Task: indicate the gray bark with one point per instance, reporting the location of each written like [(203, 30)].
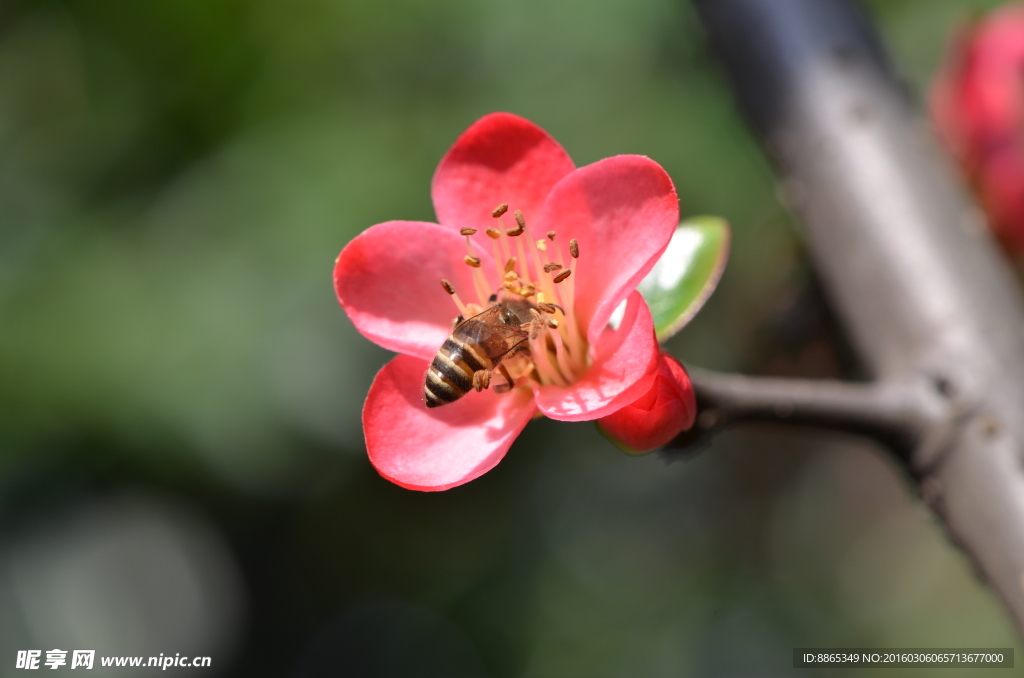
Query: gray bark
[(930, 304)]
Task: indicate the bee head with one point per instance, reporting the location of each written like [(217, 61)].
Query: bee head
[(516, 312)]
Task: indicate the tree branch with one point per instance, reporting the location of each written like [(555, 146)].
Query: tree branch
[(896, 415), (903, 254)]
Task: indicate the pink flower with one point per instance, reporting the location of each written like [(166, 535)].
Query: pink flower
[(665, 411), (977, 105), (597, 230)]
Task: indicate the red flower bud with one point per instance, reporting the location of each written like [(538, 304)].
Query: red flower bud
[(658, 416)]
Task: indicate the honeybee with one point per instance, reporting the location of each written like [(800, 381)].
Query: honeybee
[(476, 347)]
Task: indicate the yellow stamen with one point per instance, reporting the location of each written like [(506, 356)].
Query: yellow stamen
[(542, 362), (535, 253), (562, 357), (497, 259), (479, 281), (450, 289), (576, 338), (504, 242), (523, 270)]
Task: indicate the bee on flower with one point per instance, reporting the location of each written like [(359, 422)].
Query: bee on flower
[(502, 311)]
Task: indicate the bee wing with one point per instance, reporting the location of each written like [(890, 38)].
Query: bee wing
[(506, 339), (488, 316)]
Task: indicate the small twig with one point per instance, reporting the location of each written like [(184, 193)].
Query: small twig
[(897, 415)]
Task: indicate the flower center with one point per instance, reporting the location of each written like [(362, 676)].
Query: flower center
[(534, 270)]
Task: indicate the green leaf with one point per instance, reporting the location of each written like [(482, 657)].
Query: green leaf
[(687, 273)]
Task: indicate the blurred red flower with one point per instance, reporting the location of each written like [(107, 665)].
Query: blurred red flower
[(977, 106), (607, 223)]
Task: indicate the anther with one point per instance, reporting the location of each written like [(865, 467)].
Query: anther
[(552, 267), (548, 308), (493, 233), (551, 236), (574, 248), (518, 230), (511, 276), (448, 287), (467, 231), (499, 210), (552, 323), (527, 290), (562, 276), (510, 265), (542, 245), (472, 261), (519, 219)]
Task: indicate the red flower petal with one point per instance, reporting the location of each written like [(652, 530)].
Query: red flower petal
[(623, 212), (977, 105), (500, 158), (659, 415), (439, 448), (624, 367), (388, 280), (1001, 188)]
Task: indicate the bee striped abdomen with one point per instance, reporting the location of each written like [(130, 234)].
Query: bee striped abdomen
[(450, 375)]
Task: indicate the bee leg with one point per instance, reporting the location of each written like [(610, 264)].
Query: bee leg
[(458, 321), (509, 382), (536, 325), (481, 380)]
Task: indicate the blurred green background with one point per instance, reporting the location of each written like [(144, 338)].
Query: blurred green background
[(181, 461)]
